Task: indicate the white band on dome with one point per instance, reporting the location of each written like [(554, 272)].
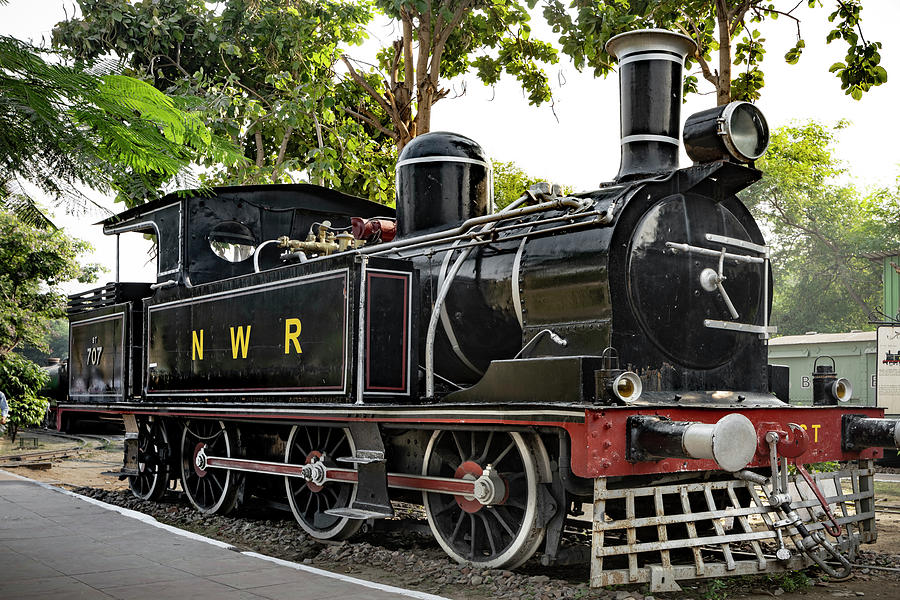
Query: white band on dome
[(428, 159)]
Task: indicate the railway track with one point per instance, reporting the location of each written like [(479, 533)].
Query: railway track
[(887, 508), (80, 444)]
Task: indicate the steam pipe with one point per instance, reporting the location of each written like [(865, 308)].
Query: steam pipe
[(557, 204)]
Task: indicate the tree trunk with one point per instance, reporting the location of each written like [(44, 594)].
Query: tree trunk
[(723, 87), (260, 153)]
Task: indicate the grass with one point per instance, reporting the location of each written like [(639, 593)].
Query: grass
[(791, 581), (887, 489), (722, 589)]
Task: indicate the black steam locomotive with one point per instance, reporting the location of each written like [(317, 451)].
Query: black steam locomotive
[(502, 368)]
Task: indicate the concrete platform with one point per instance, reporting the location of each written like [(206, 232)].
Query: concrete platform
[(55, 544)]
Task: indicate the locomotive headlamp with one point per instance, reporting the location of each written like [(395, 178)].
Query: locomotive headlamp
[(842, 389), (626, 386), (737, 130), (614, 384), (828, 388)]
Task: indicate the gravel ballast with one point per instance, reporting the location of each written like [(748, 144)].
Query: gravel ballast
[(399, 553)]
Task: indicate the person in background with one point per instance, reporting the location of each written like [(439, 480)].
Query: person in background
[(4, 413)]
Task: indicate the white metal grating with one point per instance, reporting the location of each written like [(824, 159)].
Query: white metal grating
[(660, 534)]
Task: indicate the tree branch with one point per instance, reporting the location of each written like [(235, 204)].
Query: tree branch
[(698, 53), (284, 142), (723, 88), (836, 254), (365, 85), (408, 72), (371, 121)]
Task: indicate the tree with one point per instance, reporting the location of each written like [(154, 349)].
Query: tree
[(438, 41), (265, 69), (33, 262), (61, 126), (511, 181), (727, 27), (56, 338), (819, 228), (20, 380)]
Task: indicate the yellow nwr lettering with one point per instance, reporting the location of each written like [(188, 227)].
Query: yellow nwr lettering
[(816, 432), (291, 333), (240, 341), (197, 346)]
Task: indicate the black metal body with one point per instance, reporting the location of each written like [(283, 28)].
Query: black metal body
[(616, 285), (292, 333)]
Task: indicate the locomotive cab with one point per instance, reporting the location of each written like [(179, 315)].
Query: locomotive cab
[(204, 238)]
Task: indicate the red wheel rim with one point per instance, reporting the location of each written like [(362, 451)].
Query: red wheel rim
[(469, 471)]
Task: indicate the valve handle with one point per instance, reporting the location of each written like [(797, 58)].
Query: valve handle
[(834, 530)]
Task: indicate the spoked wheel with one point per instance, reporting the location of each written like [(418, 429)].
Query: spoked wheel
[(309, 501), (153, 475), (503, 534), (209, 490)]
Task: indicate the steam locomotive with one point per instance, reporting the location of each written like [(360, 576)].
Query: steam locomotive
[(501, 368)]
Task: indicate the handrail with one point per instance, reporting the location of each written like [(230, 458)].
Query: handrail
[(506, 213)]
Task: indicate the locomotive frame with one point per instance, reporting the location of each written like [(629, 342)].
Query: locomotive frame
[(553, 376)]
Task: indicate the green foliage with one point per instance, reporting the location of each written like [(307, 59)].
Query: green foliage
[(33, 262), (444, 40), (55, 343), (266, 72), (61, 125), (861, 68), (584, 27), (510, 182), (791, 581), (20, 380), (716, 589), (819, 227)]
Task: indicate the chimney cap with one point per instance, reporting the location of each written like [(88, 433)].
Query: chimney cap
[(643, 40)]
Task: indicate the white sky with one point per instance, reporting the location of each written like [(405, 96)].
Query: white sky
[(581, 147)]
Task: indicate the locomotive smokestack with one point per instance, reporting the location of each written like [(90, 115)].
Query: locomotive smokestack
[(650, 82)]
